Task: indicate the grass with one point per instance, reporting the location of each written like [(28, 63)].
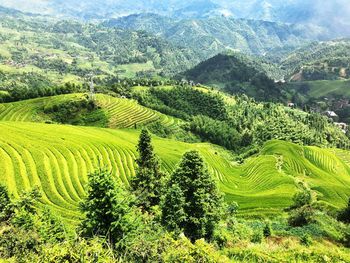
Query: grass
[(323, 88), (277, 249), (130, 70), (58, 159)]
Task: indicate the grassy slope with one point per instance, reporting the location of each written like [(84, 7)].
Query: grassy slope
[(324, 88), (58, 158), (122, 113)]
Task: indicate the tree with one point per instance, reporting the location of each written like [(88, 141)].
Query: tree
[(5, 203), (303, 197), (267, 231), (149, 180), (192, 203), (108, 209), (344, 215)]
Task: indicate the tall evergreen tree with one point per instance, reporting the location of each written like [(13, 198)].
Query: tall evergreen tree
[(108, 209), (193, 203), (148, 183)]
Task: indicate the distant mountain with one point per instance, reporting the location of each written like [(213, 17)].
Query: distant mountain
[(74, 47), (331, 14), (326, 60), (217, 34)]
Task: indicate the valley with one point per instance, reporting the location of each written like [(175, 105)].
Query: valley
[(174, 131)]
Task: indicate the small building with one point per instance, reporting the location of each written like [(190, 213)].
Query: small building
[(332, 115), (291, 105), (342, 125)]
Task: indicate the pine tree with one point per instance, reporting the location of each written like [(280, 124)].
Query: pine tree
[(199, 203), (108, 209), (148, 184)]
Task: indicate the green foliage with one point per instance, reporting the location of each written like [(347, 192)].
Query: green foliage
[(107, 209), (344, 215), (77, 250), (302, 212), (51, 229), (306, 240), (243, 122), (302, 198), (5, 202), (18, 243), (173, 208), (237, 74), (216, 34), (186, 101), (193, 203), (328, 60), (21, 86), (257, 237), (149, 181), (301, 216), (81, 111), (218, 132), (25, 209), (267, 231)]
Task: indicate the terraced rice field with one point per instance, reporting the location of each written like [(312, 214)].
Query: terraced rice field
[(58, 158), (122, 113)]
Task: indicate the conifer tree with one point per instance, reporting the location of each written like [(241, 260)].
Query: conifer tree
[(193, 203), (108, 209), (148, 183)]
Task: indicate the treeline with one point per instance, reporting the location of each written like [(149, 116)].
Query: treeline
[(15, 87), (242, 122)]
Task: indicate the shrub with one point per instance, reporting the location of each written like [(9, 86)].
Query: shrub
[(16, 242), (344, 215), (306, 240), (301, 216), (257, 237), (304, 197), (267, 231)]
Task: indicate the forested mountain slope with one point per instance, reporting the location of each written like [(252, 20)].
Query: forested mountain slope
[(331, 17), (53, 49), (327, 60), (214, 35)]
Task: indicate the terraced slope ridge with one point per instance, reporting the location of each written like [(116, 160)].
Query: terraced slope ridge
[(58, 158), (121, 113)]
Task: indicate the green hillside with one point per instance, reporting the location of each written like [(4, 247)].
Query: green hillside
[(63, 51), (238, 74), (217, 34), (323, 88), (328, 60), (58, 158), (117, 111)]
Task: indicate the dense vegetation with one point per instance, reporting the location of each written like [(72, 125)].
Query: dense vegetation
[(55, 52), (319, 61), (238, 74), (238, 122), (217, 34)]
